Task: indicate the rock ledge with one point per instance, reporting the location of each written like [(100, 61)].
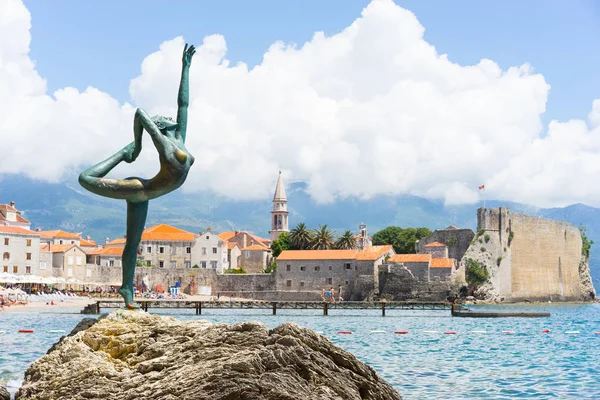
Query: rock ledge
[(130, 355)]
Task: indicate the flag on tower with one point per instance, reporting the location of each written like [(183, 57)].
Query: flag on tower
[(481, 187)]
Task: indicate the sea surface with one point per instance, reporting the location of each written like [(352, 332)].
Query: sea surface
[(529, 364)]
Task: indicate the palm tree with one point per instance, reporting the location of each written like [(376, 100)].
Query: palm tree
[(301, 236), (323, 238), (346, 241)]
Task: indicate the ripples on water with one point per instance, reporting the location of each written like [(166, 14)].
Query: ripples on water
[(527, 365)]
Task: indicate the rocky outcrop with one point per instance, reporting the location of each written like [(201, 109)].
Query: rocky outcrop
[(4, 395), (587, 286), (130, 355)]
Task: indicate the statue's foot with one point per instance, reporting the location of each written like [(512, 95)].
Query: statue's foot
[(128, 297)]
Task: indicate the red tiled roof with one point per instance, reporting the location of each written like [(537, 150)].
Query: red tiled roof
[(57, 233), (167, 233), (435, 244), (117, 241), (372, 253), (317, 255), (256, 247), (87, 243), (57, 248), (17, 229), (226, 235), (442, 263), (107, 251), (400, 258), (231, 245)]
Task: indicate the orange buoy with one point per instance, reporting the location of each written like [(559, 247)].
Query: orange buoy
[(25, 330), (596, 333), (450, 333), (546, 330), (401, 332), (344, 332)]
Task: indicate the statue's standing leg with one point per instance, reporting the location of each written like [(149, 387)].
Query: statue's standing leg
[(136, 219)]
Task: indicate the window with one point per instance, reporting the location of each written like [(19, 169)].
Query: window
[(213, 264), (329, 281), (288, 283), (347, 266), (301, 284), (6, 241), (70, 272), (173, 264), (317, 268), (60, 242), (203, 264), (148, 263), (27, 269), (187, 264), (346, 282), (149, 249), (173, 250), (5, 269), (247, 254), (207, 237), (42, 265), (288, 268), (303, 268), (111, 263), (330, 268), (28, 242), (6, 256), (161, 250), (188, 250), (204, 251), (214, 250), (70, 260), (78, 260), (72, 242), (15, 269), (88, 273), (161, 264), (28, 256)]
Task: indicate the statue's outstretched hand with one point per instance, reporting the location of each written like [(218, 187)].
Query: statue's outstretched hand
[(188, 53)]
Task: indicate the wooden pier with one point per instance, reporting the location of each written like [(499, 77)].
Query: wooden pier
[(198, 306)]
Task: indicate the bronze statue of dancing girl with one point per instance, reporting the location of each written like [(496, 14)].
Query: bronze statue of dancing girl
[(168, 137)]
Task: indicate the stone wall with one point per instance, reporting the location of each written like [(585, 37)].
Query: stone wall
[(396, 283), (457, 240), (528, 257)]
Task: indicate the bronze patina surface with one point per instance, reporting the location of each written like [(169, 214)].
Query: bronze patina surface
[(168, 137)]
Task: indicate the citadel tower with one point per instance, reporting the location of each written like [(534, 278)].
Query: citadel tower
[(279, 215)]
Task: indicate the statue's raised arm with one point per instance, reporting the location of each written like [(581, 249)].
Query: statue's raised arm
[(183, 98)]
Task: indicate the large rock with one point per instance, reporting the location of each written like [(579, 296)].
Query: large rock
[(131, 355), (4, 395)]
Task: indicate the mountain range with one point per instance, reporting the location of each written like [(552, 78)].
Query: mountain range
[(67, 206)]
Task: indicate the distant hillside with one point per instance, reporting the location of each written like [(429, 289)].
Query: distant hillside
[(69, 207)]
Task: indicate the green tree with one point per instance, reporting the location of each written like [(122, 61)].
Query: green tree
[(346, 241), (586, 243), (283, 242), (323, 238), (272, 267), (403, 240), (301, 236), (476, 273)]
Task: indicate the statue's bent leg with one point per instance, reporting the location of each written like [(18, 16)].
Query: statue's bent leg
[(93, 179), (136, 219)]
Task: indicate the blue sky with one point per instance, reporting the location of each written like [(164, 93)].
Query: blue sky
[(82, 43)]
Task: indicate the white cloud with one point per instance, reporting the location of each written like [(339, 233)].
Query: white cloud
[(371, 110)]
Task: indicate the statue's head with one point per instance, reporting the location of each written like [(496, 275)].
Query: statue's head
[(164, 123)]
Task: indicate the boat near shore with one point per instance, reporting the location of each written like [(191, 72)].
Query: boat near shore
[(461, 310)]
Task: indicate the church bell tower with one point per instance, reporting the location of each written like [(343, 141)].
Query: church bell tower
[(279, 215)]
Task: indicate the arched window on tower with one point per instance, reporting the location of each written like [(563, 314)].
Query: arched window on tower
[(6, 256)]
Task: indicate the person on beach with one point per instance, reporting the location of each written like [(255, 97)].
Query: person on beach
[(340, 298), (1, 303), (332, 295), (168, 137)]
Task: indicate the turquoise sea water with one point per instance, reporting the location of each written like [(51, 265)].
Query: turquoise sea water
[(528, 364)]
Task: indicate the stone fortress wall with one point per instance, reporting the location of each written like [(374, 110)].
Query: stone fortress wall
[(529, 258)]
